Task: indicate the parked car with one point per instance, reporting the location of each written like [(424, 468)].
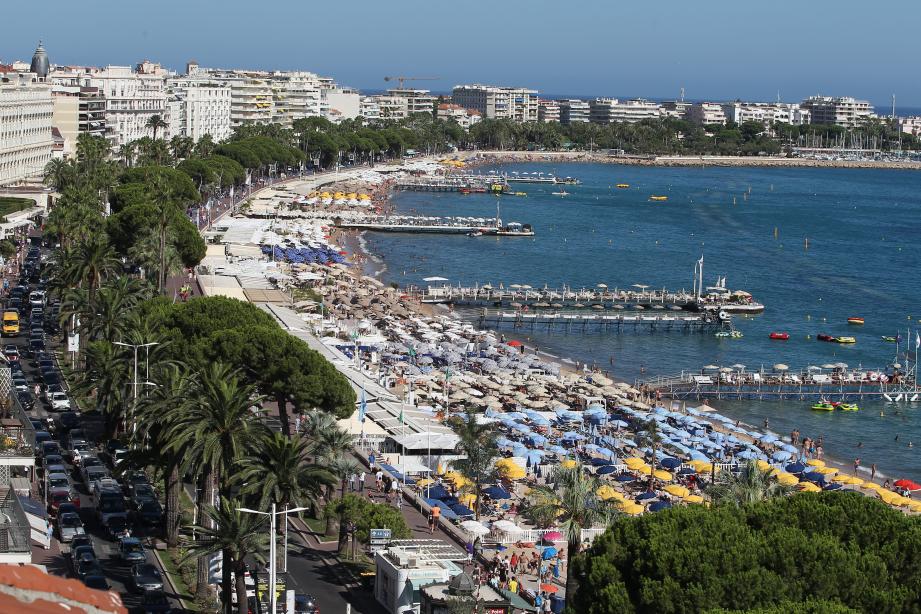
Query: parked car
[(69, 420), (57, 481), (149, 512), (26, 399), (155, 602), (59, 402), (88, 565), (130, 550), (58, 497), (146, 577), (97, 581), (69, 525), (117, 528)]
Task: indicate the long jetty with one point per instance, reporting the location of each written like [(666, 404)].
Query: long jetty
[(435, 225), (584, 323), (808, 385), (476, 183)]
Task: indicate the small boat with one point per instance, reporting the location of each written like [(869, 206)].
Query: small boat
[(888, 339), (658, 198), (560, 193), (729, 334), (520, 193), (475, 233), (848, 407), (855, 320), (823, 406), (780, 336), (464, 190), (845, 340), (623, 186), (823, 337)]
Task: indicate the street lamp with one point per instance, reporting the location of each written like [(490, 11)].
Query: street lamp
[(135, 383), (271, 515)]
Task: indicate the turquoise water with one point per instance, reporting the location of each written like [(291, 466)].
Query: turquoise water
[(863, 229)]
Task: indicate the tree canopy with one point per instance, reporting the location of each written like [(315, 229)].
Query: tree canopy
[(842, 549)]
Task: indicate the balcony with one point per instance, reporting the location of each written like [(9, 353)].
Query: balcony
[(15, 531), (17, 438)]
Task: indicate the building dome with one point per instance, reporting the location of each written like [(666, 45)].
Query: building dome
[(461, 585), (40, 62)]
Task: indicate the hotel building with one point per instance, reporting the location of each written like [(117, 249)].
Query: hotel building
[(514, 103)]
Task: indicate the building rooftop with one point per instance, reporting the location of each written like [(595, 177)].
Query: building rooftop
[(27, 590)]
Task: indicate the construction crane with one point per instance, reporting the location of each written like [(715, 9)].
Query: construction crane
[(400, 80)]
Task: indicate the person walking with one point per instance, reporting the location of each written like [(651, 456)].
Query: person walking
[(361, 483), (433, 519)]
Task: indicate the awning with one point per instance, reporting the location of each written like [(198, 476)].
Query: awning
[(517, 602), (424, 441)]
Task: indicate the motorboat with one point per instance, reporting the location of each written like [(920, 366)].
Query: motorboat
[(855, 320), (823, 337), (848, 407), (520, 193), (623, 186), (560, 193), (658, 198), (889, 339), (780, 336), (845, 340), (475, 233), (823, 406), (729, 334)]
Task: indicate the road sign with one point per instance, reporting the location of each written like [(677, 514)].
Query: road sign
[(378, 539)]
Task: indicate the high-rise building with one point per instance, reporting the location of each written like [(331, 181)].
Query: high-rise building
[(297, 95), (611, 110), (574, 111), (26, 141), (514, 103), (846, 111), (548, 111), (65, 117), (198, 106)]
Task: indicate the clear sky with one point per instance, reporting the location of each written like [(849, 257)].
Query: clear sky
[(717, 49)]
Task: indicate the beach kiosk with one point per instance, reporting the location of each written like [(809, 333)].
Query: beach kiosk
[(405, 566)]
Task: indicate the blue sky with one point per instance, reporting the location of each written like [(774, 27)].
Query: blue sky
[(716, 50)]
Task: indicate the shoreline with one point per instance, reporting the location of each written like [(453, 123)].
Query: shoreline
[(481, 158)]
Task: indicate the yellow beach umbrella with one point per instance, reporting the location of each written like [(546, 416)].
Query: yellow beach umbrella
[(424, 482), (787, 479), (702, 466), (815, 463), (842, 479), (809, 487), (694, 499), (870, 485), (606, 492), (467, 499), (663, 475), (887, 495), (632, 509), (826, 470), (763, 465), (678, 490), (511, 472), (644, 469), (915, 506), (569, 464), (634, 461), (853, 479)]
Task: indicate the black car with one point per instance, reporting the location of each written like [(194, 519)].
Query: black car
[(155, 601), (88, 566), (69, 420), (117, 528), (97, 581), (149, 512), (146, 577), (26, 399)]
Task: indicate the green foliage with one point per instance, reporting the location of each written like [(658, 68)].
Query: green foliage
[(810, 606), (11, 204), (368, 515), (7, 249), (833, 547)]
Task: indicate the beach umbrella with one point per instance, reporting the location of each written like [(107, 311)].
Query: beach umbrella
[(665, 476), (833, 487), (497, 492), (677, 490), (632, 509), (815, 462), (515, 343), (812, 476), (670, 463), (548, 553), (569, 464), (467, 499), (550, 589), (507, 526), (462, 510), (809, 487), (795, 468), (787, 479), (870, 485), (693, 499), (658, 506), (647, 496), (552, 536), (606, 469), (907, 484), (474, 527)]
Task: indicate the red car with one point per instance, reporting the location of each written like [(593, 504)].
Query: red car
[(57, 497)]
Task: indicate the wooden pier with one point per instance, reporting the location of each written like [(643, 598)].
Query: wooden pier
[(807, 385), (585, 323), (438, 225)]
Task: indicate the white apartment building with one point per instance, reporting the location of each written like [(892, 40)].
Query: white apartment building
[(493, 102), (574, 111), (611, 110), (548, 111), (198, 106), (132, 96), (391, 107), (417, 101), (706, 113), (341, 103), (910, 125), (251, 99), (26, 110), (296, 95), (369, 108), (454, 112), (676, 109), (846, 111), (65, 116), (766, 113)]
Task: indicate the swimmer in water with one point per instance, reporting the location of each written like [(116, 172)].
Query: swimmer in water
[(896, 437), (859, 444)]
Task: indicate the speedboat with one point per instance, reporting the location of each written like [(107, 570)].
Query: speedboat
[(658, 198), (780, 336), (824, 337), (623, 186), (560, 193), (823, 406), (848, 407), (730, 334), (855, 320), (845, 340), (889, 339)]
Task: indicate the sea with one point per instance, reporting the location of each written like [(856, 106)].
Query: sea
[(815, 246)]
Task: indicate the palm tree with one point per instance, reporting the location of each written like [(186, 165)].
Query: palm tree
[(155, 123), (165, 214), (145, 254), (91, 263), (126, 154), (573, 504), (750, 485), (216, 431), (235, 534), (114, 303), (652, 438), (478, 443), (106, 377), (280, 470)]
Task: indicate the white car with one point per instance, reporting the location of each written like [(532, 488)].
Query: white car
[(69, 526), (59, 401)]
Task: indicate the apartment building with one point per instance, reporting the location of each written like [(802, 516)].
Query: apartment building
[(676, 109), (909, 125), (296, 95), (369, 108), (611, 110), (131, 96), (574, 111), (198, 106), (454, 112), (548, 111), (26, 111), (766, 113), (417, 101), (341, 102), (706, 114), (845, 111), (494, 102)]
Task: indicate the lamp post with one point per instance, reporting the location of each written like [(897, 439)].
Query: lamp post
[(135, 383), (272, 563)]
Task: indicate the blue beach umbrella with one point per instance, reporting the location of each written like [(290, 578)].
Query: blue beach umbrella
[(606, 469), (646, 496), (670, 463), (497, 492), (626, 477), (658, 506), (795, 468), (548, 553)]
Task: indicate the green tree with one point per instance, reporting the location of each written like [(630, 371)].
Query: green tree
[(155, 123), (478, 444), (750, 485)]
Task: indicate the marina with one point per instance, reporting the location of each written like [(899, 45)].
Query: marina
[(583, 323)]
